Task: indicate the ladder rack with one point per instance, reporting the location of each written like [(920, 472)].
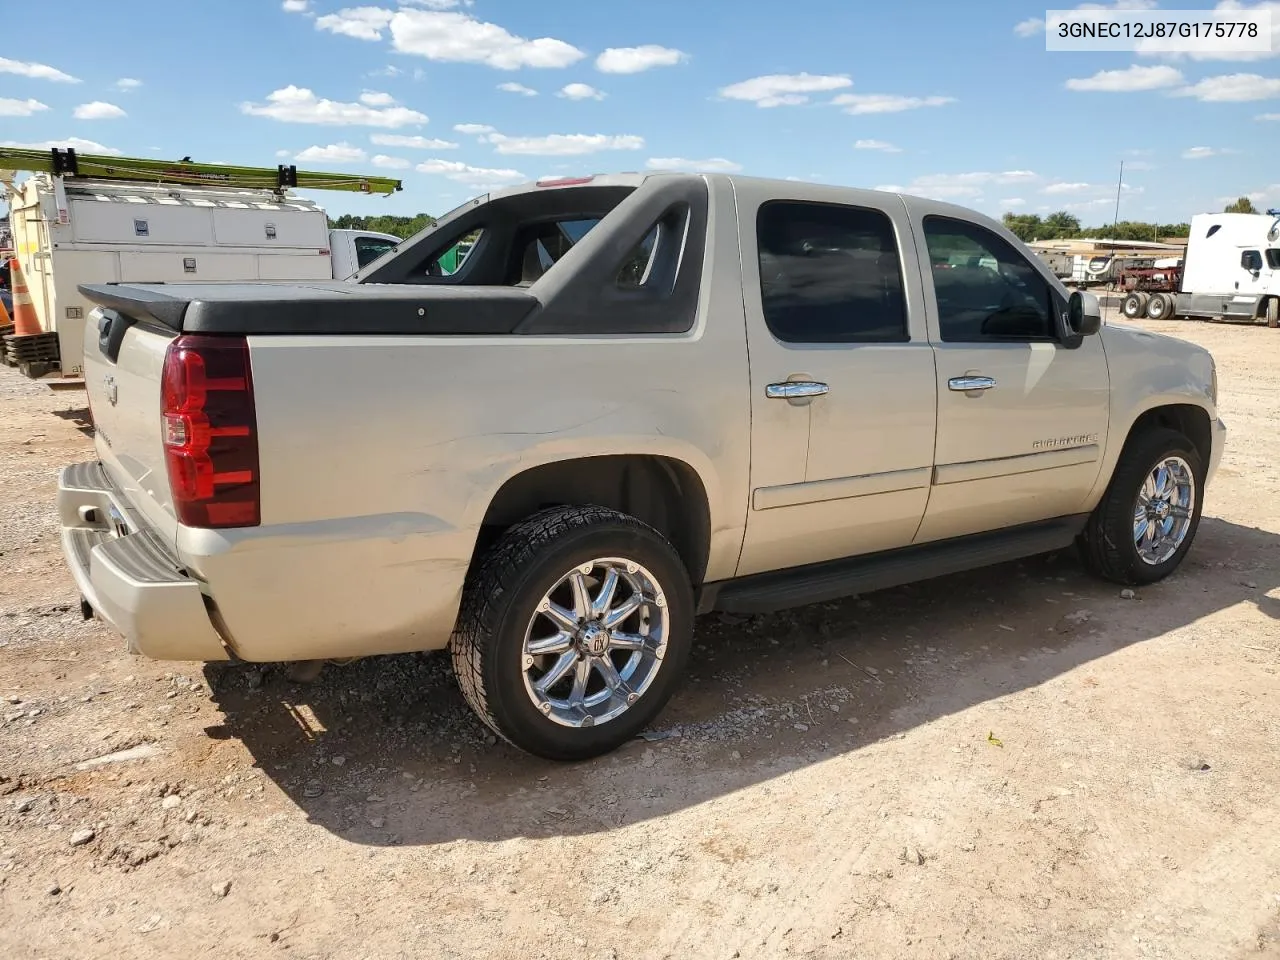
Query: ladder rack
[(68, 163)]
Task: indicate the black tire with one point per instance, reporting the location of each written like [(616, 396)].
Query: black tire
[(501, 599), (1107, 543), (1134, 306), (1158, 307)]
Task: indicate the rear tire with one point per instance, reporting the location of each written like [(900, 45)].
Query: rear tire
[(1134, 306), (1158, 307), (1115, 545), (540, 673), (1271, 313)]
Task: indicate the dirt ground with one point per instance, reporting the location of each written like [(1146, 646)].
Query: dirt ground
[(1011, 763)]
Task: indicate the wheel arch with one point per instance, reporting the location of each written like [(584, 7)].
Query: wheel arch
[(1190, 419), (663, 491)]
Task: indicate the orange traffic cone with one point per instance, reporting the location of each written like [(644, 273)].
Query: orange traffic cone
[(25, 321)]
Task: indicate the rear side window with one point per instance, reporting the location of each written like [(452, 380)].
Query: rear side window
[(830, 273)]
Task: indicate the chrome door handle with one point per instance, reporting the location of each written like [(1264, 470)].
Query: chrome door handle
[(966, 384), (795, 390)]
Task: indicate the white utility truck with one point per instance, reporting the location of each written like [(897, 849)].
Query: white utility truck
[(88, 220), (1232, 268)]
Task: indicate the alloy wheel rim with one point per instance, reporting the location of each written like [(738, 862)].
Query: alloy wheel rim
[(596, 642), (1163, 510)]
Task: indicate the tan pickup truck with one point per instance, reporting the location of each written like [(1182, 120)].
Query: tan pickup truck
[(634, 399)]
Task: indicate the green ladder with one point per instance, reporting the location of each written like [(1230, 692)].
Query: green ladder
[(69, 163)]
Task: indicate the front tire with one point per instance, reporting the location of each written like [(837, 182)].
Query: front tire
[(574, 631), (1148, 518)]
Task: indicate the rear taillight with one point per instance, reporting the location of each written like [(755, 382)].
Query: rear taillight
[(211, 432)]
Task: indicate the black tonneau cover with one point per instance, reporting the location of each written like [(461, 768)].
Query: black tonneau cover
[(317, 307)]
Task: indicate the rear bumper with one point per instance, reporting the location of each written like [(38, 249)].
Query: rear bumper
[(127, 576)]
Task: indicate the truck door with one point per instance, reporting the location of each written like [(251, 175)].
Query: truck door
[(842, 378), (1022, 420)]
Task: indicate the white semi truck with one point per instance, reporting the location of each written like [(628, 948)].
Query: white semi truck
[(87, 220), (1232, 268)]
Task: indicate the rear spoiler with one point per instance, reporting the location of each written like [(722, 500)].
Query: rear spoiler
[(138, 302)]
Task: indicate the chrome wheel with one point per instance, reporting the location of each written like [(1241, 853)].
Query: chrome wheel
[(1162, 515), (596, 642)]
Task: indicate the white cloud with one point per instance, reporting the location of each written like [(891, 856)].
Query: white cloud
[(1013, 202), (784, 89), (460, 38), (412, 142), (857, 103), (128, 83), (476, 177), (638, 59), (1227, 7), (78, 143), (1268, 116), (710, 165), (36, 71), (1033, 25), (373, 98), (1233, 88), (295, 6), (1062, 187), (473, 129), (98, 110), (20, 108), (519, 88), (294, 104), (881, 145), (563, 144), (1130, 80), (948, 186), (1203, 153), (390, 163), (580, 91), (363, 23), (334, 153)]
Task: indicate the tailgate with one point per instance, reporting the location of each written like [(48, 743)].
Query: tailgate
[(123, 362)]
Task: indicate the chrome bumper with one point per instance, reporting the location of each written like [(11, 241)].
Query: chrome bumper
[(128, 577)]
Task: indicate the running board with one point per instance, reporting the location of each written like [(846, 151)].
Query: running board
[(833, 579)]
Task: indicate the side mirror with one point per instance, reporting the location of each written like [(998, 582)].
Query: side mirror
[(1084, 315)]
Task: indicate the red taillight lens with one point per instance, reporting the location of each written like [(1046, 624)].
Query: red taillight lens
[(210, 432)]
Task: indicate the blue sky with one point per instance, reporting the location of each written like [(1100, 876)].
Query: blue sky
[(951, 100)]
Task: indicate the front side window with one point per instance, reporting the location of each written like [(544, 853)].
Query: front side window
[(985, 290), (830, 273), (1273, 258)]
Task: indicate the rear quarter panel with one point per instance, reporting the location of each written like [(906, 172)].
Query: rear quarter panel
[(380, 456)]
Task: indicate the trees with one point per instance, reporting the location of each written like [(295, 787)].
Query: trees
[(1242, 205), (402, 227), (1056, 226)]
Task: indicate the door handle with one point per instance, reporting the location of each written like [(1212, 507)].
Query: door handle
[(966, 384), (795, 390)]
